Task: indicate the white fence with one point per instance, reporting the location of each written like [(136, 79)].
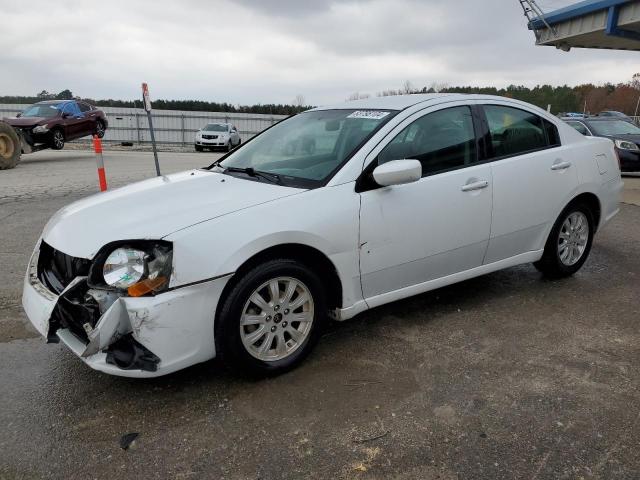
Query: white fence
[(173, 126), (170, 126)]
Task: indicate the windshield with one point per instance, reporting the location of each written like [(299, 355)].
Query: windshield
[(306, 149), (615, 127), (47, 110), (215, 127)]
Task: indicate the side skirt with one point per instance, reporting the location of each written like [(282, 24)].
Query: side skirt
[(341, 314)]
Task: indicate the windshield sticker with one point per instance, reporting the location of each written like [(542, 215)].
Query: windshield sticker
[(370, 114)]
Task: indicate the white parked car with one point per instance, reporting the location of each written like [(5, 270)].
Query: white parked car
[(327, 214), (217, 136)]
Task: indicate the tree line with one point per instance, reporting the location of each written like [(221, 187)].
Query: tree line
[(588, 98), (187, 105)]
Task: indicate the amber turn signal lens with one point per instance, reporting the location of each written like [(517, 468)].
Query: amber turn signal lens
[(146, 286)]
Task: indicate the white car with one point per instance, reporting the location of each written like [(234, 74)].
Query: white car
[(247, 258), (217, 136)]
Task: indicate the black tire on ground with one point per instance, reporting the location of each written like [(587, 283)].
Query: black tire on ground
[(229, 345), (198, 148), (229, 146), (56, 139), (100, 130), (551, 264), (10, 147)]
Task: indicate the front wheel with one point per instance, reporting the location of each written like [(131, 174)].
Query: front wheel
[(198, 148), (569, 242), (57, 139), (272, 318)]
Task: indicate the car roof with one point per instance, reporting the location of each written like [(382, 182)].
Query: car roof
[(400, 102), (593, 119), (54, 102)]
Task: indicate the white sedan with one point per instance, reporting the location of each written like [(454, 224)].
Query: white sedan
[(217, 136), (327, 214)]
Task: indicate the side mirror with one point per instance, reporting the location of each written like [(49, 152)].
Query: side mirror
[(397, 172), (18, 115)]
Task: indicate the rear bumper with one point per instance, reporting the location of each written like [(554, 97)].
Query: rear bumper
[(610, 198), (169, 331)]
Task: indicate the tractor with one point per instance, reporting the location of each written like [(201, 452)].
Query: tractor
[(11, 146)]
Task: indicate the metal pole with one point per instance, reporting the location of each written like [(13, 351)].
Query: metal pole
[(182, 125), (153, 143), (138, 127), (637, 106)]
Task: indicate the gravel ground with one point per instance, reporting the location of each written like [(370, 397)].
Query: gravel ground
[(503, 376)]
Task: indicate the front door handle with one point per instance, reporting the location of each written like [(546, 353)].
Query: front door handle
[(475, 185), (560, 165)]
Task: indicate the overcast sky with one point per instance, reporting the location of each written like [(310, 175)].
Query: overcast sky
[(262, 51)]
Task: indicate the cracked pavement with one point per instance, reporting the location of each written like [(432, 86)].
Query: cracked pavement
[(503, 376)]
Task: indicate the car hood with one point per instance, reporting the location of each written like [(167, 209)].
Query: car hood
[(153, 209), (25, 121), (631, 138)]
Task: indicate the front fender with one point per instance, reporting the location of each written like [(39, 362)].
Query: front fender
[(325, 219)]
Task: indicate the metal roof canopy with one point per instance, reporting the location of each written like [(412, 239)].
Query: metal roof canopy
[(612, 24)]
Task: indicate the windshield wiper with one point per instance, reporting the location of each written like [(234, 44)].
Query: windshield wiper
[(271, 177)]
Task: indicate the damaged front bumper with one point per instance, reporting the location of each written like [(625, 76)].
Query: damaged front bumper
[(126, 336)]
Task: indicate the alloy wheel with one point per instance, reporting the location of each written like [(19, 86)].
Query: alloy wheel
[(58, 139), (277, 319), (573, 238)]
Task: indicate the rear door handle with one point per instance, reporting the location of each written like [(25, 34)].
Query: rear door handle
[(475, 185), (560, 165)]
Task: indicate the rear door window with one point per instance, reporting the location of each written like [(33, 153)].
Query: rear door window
[(514, 131), (84, 107)]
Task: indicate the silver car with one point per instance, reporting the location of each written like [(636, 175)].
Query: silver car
[(217, 135)]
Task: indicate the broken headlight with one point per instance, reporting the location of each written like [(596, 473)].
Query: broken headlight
[(136, 267), (124, 267)]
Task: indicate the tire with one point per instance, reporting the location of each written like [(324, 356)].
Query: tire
[(229, 146), (198, 148), (10, 147), (100, 129), (57, 139), (239, 342), (568, 245)]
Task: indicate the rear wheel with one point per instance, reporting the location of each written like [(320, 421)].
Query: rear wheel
[(57, 139), (272, 318), (569, 242), (10, 148), (100, 129)]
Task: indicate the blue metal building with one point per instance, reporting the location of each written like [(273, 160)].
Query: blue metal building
[(612, 24)]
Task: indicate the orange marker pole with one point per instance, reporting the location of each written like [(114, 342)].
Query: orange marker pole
[(97, 147)]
